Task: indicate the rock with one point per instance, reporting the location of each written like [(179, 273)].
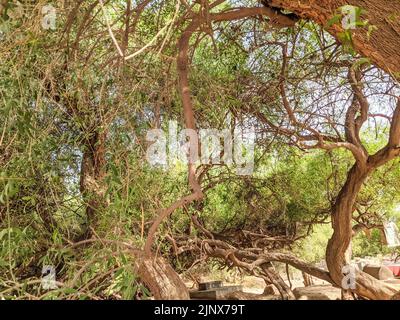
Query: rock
[(378, 272), (249, 296), (214, 294), (317, 292), (253, 284), (210, 285), (394, 283)]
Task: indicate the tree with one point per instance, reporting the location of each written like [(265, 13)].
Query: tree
[(78, 193), (380, 47)]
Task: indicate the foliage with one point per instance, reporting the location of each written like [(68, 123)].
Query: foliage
[(67, 99)]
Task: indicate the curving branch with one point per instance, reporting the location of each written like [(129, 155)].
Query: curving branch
[(184, 88)]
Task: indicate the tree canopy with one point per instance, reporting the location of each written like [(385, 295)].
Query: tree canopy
[(85, 86)]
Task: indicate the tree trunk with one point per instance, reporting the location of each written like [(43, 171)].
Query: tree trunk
[(163, 282), (396, 296), (275, 279), (307, 280), (339, 245), (342, 212), (382, 45), (93, 170)]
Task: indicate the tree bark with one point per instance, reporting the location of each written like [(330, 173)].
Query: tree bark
[(275, 279), (93, 170), (396, 296), (163, 282), (381, 47), (342, 212), (307, 280), (339, 245)]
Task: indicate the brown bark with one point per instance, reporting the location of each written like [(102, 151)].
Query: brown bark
[(274, 278), (250, 261), (396, 296), (93, 170), (184, 89), (163, 282), (381, 47), (190, 122), (153, 274), (3, 5), (342, 211), (307, 280), (339, 246)]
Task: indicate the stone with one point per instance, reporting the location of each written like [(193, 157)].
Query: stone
[(317, 292), (210, 285), (215, 293), (378, 272)]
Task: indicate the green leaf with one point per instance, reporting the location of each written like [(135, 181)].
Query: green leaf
[(334, 20), (361, 62)]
